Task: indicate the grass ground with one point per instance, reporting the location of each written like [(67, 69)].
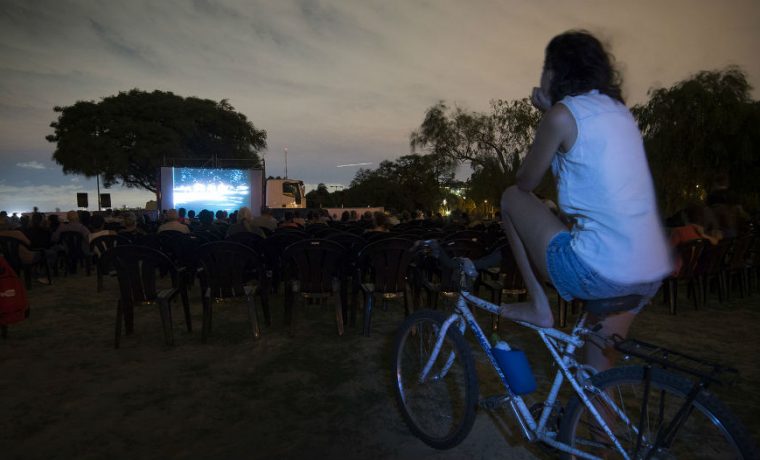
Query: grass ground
[(67, 393)]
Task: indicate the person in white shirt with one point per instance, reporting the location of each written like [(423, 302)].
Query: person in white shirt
[(616, 245), (171, 222)]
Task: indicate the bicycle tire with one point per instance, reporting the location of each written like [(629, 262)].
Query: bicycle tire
[(711, 431), (440, 411)]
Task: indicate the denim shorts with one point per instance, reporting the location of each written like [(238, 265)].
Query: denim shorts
[(574, 279)]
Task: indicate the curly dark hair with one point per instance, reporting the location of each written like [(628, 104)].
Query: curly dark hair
[(580, 64)]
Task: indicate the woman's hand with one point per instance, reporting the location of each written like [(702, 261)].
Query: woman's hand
[(540, 100)]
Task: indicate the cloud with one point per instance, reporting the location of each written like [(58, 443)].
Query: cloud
[(31, 165)]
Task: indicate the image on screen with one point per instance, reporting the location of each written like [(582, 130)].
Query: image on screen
[(212, 189)]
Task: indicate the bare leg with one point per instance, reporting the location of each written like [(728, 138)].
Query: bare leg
[(596, 354), (535, 226)]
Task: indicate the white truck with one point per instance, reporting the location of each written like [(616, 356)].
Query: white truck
[(285, 193)]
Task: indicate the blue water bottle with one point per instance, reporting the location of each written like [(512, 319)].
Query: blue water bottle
[(516, 369)]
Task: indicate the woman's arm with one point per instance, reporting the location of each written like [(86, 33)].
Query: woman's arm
[(557, 129)]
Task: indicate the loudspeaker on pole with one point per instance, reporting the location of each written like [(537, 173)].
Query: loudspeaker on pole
[(105, 200), (82, 200)]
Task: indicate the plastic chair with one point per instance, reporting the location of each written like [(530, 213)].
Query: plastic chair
[(225, 270), (9, 247), (249, 239), (98, 247), (689, 254), (182, 250), (737, 265), (137, 269), (272, 252), (313, 269), (709, 266), (352, 244), (385, 263), (74, 252), (506, 279), (443, 281)]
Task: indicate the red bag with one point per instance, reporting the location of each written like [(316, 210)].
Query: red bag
[(14, 306)]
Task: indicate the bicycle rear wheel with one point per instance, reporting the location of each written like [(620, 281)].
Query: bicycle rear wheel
[(441, 409), (711, 431)]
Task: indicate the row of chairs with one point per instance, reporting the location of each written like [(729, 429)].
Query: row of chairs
[(339, 267), (731, 264)]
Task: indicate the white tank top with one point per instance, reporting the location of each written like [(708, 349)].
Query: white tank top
[(605, 187)]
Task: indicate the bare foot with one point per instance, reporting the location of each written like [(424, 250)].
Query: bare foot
[(527, 314)]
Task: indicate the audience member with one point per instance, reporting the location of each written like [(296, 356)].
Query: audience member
[(97, 227), (265, 220), (172, 223), (244, 223), (73, 224), (131, 230), (289, 221), (25, 253)]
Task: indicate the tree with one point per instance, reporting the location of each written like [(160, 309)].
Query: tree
[(127, 137), (700, 127), (411, 182), (498, 138), (320, 197)]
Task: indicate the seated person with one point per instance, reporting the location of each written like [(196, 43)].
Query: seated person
[(97, 227), (289, 221), (38, 232), (72, 224), (244, 223), (265, 220), (131, 230), (171, 222), (25, 254)]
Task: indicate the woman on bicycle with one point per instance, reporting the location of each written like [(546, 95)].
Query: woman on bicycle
[(616, 245)]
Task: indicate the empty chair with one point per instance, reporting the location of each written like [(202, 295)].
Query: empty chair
[(249, 239), (443, 282), (505, 278), (737, 265), (98, 247), (313, 270), (181, 248), (137, 269), (384, 263), (689, 254), (709, 266), (272, 252), (352, 244), (226, 269)]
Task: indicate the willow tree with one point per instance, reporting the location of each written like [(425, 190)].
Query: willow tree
[(492, 143), (126, 138), (697, 129)]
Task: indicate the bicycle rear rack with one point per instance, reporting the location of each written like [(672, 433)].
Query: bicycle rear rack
[(668, 359)]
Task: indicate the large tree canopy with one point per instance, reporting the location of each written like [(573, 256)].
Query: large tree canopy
[(498, 138), (127, 137), (699, 128)]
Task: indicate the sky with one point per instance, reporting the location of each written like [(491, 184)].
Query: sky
[(335, 82)]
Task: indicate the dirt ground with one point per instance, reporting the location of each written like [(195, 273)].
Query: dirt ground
[(67, 393)]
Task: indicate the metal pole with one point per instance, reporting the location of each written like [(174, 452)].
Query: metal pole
[(97, 178), (286, 162)]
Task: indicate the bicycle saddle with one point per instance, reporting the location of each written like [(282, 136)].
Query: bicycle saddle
[(612, 304)]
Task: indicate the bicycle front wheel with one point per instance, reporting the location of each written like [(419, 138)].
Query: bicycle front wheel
[(710, 430), (440, 408)]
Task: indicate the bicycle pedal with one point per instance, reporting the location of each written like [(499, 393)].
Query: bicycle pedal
[(494, 402)]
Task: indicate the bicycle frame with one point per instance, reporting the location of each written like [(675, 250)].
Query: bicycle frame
[(561, 346)]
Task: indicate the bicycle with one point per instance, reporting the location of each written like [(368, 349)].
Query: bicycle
[(645, 411)]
